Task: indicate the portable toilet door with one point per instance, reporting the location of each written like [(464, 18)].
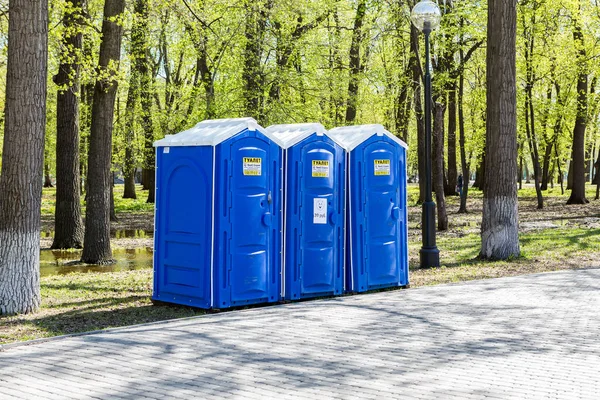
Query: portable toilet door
[(377, 207), (217, 223), (314, 203)]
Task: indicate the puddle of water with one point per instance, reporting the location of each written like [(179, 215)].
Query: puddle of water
[(60, 262), (118, 234)]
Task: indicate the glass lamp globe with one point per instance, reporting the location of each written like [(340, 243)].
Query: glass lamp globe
[(426, 15)]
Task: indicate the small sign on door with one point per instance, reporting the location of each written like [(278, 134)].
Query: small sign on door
[(320, 168), (382, 167), (320, 211), (253, 166)]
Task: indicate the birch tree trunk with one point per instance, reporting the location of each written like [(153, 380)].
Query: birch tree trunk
[(23, 156)]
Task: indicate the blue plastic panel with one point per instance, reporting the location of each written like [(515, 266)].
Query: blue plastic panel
[(183, 226), (248, 198), (314, 232), (378, 215)]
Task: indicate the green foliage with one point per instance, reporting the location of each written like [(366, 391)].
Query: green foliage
[(196, 55)]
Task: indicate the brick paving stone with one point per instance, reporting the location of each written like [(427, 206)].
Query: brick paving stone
[(527, 337)]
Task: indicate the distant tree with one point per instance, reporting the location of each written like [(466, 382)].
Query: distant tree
[(438, 165), (23, 156), (355, 65), (137, 53), (578, 150), (96, 245), (417, 77), (253, 77), (68, 224), (146, 77), (530, 79), (500, 222)]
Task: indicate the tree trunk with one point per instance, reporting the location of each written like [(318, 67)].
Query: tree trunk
[(500, 222), (138, 88), (113, 213), (531, 139), (23, 156), (598, 177), (546, 166), (570, 173), (146, 80), (96, 249), (530, 114), (47, 177), (257, 13), (578, 191), (560, 174), (480, 174), (355, 63), (462, 142), (438, 165), (452, 170), (68, 225), (129, 161), (85, 121), (520, 173), (548, 143)]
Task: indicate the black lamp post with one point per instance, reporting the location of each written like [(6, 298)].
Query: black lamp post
[(426, 17)]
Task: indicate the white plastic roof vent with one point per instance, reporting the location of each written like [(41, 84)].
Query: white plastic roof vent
[(351, 136), (212, 132), (291, 134)]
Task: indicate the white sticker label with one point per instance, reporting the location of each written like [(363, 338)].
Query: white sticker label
[(382, 167), (253, 166), (320, 169), (320, 211), (166, 150)]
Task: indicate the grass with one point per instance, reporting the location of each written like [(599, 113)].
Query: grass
[(81, 302), (541, 251), (556, 238)]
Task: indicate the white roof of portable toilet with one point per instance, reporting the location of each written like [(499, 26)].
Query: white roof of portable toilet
[(212, 132), (291, 134), (351, 136)]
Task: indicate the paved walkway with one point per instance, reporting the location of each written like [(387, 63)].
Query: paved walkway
[(535, 336)]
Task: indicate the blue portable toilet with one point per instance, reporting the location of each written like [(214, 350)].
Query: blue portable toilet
[(377, 235), (314, 202), (218, 215)]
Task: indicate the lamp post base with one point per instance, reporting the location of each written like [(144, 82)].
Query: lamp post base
[(430, 257)]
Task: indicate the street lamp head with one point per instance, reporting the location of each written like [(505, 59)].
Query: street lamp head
[(426, 16)]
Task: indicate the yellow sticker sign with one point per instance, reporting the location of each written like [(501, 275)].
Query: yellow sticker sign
[(320, 168), (253, 166), (382, 167)]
